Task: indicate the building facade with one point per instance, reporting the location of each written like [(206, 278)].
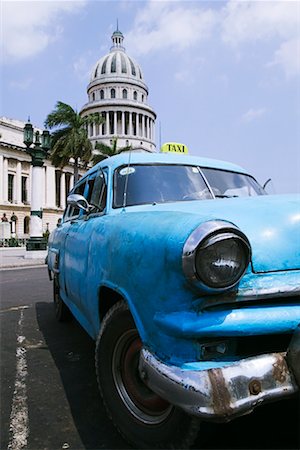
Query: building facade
[(15, 182), (118, 92)]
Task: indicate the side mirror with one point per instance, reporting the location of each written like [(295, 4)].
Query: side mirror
[(78, 201), (266, 183), (269, 187)]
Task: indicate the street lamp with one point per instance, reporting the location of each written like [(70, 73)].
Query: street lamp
[(38, 153)]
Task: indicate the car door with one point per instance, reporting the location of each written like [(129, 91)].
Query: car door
[(78, 239)]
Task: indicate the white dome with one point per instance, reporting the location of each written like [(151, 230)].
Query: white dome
[(117, 63)]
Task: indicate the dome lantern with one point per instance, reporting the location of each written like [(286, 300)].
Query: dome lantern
[(117, 38)]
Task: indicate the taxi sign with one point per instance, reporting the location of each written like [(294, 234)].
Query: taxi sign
[(174, 147)]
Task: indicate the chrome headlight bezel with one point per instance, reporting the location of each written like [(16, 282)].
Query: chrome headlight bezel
[(204, 236)]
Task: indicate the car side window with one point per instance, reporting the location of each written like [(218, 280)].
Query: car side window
[(71, 212), (97, 192)]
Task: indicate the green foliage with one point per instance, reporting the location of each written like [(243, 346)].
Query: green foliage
[(13, 242), (105, 151), (70, 139), (46, 235)]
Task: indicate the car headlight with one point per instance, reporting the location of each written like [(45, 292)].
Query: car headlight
[(216, 255)]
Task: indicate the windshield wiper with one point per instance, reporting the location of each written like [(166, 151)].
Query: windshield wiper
[(225, 196)]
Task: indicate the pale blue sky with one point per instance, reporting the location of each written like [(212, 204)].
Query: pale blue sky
[(223, 76)]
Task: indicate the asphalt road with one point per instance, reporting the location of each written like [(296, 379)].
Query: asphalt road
[(49, 395)]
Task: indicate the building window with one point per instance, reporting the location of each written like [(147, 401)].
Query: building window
[(132, 67), (123, 64), (93, 96), (26, 225), (113, 93), (142, 98), (113, 67), (102, 94), (135, 95), (24, 190), (124, 93), (103, 69), (10, 187), (68, 183), (57, 187)]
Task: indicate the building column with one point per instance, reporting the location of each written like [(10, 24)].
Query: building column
[(153, 131), (143, 125), (123, 123), (130, 124), (1, 181), (115, 123), (71, 182), (107, 123), (36, 224), (63, 190), (50, 186), (5, 180), (19, 182)]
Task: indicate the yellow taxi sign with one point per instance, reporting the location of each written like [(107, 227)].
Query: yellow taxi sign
[(174, 147)]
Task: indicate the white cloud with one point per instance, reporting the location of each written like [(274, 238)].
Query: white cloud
[(179, 26), (253, 114), (169, 25), (248, 21), (22, 85), (288, 56), (28, 27), (83, 67), (265, 21)]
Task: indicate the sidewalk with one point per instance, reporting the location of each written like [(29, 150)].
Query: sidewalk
[(18, 257)]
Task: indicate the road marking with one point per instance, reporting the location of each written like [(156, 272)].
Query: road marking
[(14, 308), (19, 420)]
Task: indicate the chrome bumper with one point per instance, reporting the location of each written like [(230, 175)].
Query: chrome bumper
[(220, 393)]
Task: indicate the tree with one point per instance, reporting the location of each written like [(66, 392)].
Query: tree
[(70, 139), (105, 151)]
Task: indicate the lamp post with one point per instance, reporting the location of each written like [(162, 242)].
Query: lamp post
[(38, 153)]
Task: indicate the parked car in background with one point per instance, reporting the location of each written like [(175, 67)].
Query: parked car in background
[(187, 275)]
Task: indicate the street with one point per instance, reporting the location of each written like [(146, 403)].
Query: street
[(49, 394)]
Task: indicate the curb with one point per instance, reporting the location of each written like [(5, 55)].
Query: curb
[(24, 265)]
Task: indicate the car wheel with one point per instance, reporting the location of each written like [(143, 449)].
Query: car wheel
[(62, 312), (143, 418)]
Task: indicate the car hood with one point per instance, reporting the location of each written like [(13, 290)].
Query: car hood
[(271, 223)]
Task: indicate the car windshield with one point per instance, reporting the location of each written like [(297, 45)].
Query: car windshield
[(232, 184), (161, 183)]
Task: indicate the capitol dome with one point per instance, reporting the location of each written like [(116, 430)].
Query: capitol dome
[(117, 63), (118, 92)]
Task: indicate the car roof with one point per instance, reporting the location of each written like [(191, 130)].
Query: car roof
[(142, 157)]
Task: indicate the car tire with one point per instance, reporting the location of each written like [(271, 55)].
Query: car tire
[(143, 418), (62, 312)]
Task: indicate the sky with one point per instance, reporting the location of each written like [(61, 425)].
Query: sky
[(223, 76)]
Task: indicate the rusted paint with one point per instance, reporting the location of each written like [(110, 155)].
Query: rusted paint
[(254, 387), (293, 355), (220, 395), (280, 368)]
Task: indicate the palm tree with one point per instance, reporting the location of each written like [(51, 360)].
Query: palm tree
[(70, 140), (105, 151)]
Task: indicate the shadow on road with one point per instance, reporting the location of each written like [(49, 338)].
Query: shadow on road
[(274, 426), (72, 351)]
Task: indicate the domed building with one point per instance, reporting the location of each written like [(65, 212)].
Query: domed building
[(118, 92)]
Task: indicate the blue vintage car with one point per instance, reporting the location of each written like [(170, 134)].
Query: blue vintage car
[(187, 275)]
